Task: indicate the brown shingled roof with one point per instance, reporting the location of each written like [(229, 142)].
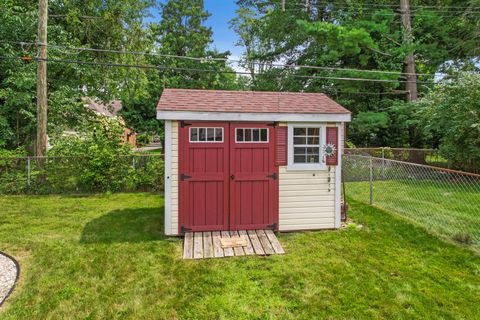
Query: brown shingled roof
[(247, 101)]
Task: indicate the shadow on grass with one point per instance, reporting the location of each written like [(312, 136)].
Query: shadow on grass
[(127, 225)]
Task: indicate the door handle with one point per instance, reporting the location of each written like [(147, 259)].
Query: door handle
[(232, 177)]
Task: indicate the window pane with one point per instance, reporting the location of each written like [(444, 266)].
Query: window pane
[(193, 134), (313, 150), (313, 140), (256, 134), (299, 131), (202, 134), (313, 158), (299, 159), (210, 134), (248, 134), (218, 134), (239, 134), (299, 140), (263, 135), (299, 150), (313, 131)]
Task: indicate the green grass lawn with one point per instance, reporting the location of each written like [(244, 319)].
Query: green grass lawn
[(446, 209), (105, 257)]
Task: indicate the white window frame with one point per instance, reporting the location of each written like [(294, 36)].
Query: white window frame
[(190, 134), (268, 135), (291, 165)]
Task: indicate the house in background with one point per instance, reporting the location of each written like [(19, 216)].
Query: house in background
[(240, 160), (111, 110)]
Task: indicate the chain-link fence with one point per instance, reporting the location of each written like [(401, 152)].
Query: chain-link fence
[(430, 157), (60, 175), (445, 202)]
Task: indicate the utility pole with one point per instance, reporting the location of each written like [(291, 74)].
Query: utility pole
[(42, 104), (411, 83), (283, 5)]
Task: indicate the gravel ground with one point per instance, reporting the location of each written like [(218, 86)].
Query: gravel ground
[(8, 275)]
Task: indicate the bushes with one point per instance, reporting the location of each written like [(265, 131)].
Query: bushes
[(88, 162)]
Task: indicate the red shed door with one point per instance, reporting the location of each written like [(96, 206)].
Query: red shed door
[(253, 177), (203, 176)]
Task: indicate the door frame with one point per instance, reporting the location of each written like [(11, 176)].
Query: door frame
[(228, 140)]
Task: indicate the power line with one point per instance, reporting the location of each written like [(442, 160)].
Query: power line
[(382, 5), (155, 54), (161, 67)]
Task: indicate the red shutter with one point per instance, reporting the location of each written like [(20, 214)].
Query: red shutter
[(281, 146), (332, 138)]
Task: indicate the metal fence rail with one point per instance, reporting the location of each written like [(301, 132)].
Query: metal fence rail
[(430, 157), (60, 175), (445, 202)]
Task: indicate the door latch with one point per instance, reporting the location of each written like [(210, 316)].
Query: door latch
[(232, 177), (184, 177)]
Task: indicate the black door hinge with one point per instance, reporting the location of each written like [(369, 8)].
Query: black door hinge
[(273, 176), (183, 229), (272, 226), (273, 124), (183, 124), (184, 177)]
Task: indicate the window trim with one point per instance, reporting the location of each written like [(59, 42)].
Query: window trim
[(194, 127), (291, 165), (243, 128)]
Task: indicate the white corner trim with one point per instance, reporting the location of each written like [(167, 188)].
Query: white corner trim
[(291, 166), (253, 116), (168, 178), (338, 177)]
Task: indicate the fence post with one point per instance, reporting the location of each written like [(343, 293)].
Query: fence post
[(383, 163), (371, 181), (28, 172)]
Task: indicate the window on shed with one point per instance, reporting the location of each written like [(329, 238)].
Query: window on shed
[(259, 135), (206, 134), (306, 145)]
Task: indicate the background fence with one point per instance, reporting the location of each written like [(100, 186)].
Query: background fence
[(430, 157), (58, 175), (445, 202)]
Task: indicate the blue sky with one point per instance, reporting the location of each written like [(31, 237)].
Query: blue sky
[(221, 12)]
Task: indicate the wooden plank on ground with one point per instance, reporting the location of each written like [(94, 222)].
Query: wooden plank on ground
[(237, 250), (217, 246), (207, 245), (227, 252), (267, 246), (248, 249), (197, 245), (257, 246), (188, 246), (274, 241)]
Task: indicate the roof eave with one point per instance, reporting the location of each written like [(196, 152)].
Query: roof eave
[(252, 116)]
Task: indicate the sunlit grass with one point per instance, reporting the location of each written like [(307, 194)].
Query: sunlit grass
[(105, 257)]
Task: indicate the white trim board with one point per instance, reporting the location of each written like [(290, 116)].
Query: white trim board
[(338, 177), (168, 178), (253, 116)]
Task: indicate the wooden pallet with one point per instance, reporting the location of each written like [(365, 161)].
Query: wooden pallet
[(202, 245)]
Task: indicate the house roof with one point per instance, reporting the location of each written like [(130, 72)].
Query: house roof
[(109, 110), (247, 101)]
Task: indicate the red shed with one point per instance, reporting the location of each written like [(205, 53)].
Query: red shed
[(239, 160)]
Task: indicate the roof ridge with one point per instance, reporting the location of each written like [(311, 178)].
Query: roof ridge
[(246, 91)]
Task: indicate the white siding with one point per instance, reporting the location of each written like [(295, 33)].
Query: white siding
[(306, 199)]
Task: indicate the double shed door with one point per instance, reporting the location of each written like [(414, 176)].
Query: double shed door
[(227, 176)]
